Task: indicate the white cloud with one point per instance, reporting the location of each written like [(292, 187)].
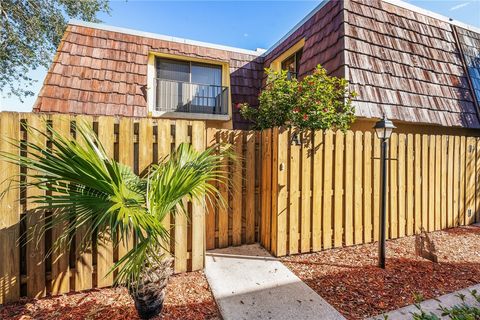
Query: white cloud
[(458, 6)]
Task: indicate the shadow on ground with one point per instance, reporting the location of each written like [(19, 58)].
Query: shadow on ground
[(359, 291)]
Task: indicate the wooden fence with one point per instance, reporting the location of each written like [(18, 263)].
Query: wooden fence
[(24, 271), (292, 198), (325, 192)]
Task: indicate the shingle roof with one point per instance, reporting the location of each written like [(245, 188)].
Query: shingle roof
[(101, 70), (407, 65), (323, 33), (402, 61)]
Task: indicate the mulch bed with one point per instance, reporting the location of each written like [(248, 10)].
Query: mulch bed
[(349, 279), (188, 297)]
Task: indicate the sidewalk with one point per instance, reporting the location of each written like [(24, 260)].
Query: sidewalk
[(248, 283), (447, 300)]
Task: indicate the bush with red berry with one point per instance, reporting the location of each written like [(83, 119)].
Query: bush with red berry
[(318, 101)]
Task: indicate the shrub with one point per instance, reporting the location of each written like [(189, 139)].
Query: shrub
[(318, 101), (461, 311)]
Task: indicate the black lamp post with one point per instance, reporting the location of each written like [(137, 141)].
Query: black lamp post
[(384, 129)]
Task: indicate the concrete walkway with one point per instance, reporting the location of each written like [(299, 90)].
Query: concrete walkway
[(248, 283), (447, 300)]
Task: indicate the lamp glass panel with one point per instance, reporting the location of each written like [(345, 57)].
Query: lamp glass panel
[(380, 132), (388, 133)]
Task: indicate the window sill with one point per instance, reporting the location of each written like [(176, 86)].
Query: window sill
[(192, 116)]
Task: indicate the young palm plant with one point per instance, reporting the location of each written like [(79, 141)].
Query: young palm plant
[(86, 189)]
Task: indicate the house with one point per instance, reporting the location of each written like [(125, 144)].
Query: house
[(417, 67)]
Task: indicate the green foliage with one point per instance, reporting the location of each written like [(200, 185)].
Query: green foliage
[(462, 311), (85, 188), (30, 33), (318, 101)]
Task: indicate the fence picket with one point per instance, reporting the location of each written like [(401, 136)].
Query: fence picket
[(10, 222), (267, 187), (349, 161), (444, 209), (83, 254), (180, 226), (60, 257), (273, 218), (327, 190), (250, 165), (456, 178), (461, 201), (237, 178), (35, 248), (338, 190), (164, 147), (282, 199), (401, 185), (393, 187), (367, 187), (105, 246), (431, 183), (294, 195), (198, 205), (438, 182), (305, 213), (212, 207), (223, 189), (418, 183), (357, 198), (126, 157), (470, 181), (410, 186), (317, 190)]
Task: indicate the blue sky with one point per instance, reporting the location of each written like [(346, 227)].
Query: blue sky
[(243, 24)]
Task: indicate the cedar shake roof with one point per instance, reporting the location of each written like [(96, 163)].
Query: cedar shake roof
[(323, 33), (103, 71), (407, 65), (402, 61)]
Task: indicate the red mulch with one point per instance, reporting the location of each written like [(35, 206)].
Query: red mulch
[(349, 279), (188, 297)]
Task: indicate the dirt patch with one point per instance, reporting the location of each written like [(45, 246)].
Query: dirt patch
[(349, 279), (188, 297)]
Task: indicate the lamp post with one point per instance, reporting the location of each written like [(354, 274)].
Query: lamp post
[(384, 129)]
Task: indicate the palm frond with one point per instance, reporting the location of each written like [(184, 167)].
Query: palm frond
[(84, 188)]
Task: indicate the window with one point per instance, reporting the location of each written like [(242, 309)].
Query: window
[(292, 64), (194, 87)]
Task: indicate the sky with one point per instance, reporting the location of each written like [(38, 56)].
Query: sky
[(242, 24)]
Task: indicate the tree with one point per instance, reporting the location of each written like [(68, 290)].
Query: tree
[(30, 33), (84, 188), (318, 101)]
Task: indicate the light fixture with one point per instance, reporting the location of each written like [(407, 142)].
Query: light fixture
[(384, 128)]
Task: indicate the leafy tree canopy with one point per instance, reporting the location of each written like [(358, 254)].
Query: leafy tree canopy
[(318, 101), (30, 33)]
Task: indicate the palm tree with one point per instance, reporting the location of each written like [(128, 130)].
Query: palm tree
[(86, 189)]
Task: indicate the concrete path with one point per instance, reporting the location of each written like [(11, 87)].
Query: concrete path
[(248, 283), (447, 300)]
